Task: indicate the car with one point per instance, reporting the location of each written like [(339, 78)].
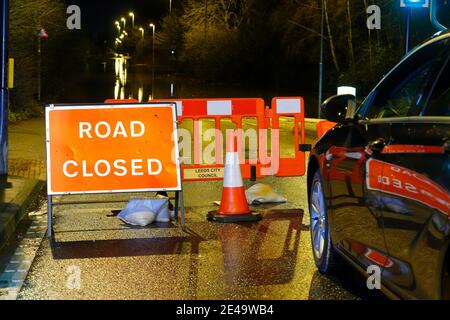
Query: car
[(379, 180)]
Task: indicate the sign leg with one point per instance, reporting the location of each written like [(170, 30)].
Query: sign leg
[(49, 217), (177, 204), (183, 220)]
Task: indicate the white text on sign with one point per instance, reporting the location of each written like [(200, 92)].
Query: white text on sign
[(119, 167), (103, 130)]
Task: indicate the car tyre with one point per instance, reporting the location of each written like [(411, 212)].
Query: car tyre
[(325, 256)]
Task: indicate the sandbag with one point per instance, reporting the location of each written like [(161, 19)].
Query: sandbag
[(263, 193), (139, 218), (142, 212), (166, 213)]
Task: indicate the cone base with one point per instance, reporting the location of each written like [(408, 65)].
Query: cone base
[(214, 216)]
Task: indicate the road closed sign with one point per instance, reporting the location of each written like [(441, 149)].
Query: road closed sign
[(112, 148)]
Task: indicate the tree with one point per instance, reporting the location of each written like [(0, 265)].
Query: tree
[(211, 35), (63, 54), (350, 44)]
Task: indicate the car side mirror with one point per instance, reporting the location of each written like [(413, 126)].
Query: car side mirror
[(339, 108)]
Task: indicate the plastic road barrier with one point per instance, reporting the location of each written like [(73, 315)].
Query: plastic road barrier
[(264, 157), (322, 127)]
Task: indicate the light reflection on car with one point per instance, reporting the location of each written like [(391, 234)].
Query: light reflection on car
[(379, 180)]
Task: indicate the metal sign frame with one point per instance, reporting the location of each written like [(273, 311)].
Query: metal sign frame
[(179, 198)]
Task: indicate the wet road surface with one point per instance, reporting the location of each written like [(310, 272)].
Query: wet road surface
[(98, 257), (268, 260)]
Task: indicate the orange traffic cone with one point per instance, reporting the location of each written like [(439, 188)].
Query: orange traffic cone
[(233, 206)]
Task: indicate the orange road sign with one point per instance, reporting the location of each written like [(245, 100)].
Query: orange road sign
[(112, 148)]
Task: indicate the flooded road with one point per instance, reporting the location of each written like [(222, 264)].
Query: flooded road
[(121, 77)]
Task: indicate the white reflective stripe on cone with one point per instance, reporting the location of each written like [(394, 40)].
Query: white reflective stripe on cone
[(233, 177)]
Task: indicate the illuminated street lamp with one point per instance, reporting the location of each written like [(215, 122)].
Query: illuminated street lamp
[(170, 7), (409, 5), (143, 32), (414, 3), (153, 59), (322, 26), (131, 14), (124, 22)]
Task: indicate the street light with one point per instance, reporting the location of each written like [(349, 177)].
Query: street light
[(170, 7), (143, 31), (409, 5), (153, 60), (131, 14), (124, 22), (322, 23), (414, 3)]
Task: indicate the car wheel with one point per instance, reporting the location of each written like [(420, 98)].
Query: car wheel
[(325, 256)]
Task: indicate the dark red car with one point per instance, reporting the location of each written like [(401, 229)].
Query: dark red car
[(379, 181)]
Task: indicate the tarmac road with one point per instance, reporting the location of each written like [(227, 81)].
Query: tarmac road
[(98, 257)]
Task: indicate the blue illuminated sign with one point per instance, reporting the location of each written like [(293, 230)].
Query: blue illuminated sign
[(415, 3)]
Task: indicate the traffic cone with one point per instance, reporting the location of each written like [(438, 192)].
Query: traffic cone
[(233, 206)]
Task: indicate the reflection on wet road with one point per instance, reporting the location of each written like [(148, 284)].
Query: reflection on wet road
[(268, 260), (134, 81)]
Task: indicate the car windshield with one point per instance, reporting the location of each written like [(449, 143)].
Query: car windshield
[(439, 102), (402, 88)]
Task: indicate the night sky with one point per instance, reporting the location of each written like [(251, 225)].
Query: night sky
[(98, 16)]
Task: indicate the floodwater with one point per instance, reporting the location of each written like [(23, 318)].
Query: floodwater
[(121, 78)]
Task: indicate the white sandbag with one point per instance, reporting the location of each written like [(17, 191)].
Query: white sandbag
[(139, 218), (263, 193), (142, 212), (163, 214)]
